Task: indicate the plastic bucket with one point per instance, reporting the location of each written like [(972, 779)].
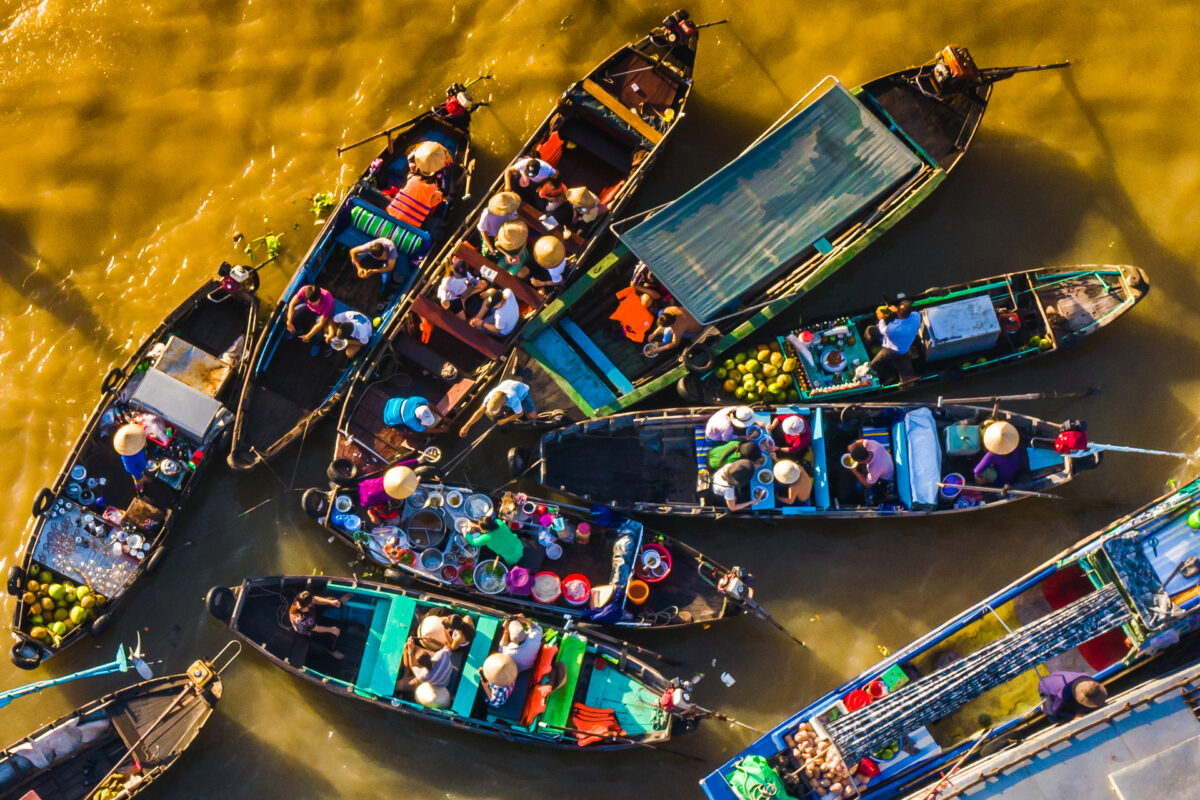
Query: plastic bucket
[(856, 699), (638, 592), (954, 485), (449, 573), (585, 594), (490, 577), (545, 590)]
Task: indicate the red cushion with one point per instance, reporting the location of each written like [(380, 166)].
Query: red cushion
[(545, 662), (551, 150), (608, 194)]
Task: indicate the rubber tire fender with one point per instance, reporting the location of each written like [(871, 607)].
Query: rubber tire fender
[(20, 658), (315, 502), (154, 560), (114, 376), (16, 580), (220, 602), (43, 501), (699, 359), (688, 388), (343, 473), (100, 624), (241, 459)]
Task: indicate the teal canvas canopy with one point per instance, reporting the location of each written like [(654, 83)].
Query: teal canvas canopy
[(757, 214)]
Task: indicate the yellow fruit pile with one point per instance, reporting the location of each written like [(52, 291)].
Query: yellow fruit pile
[(759, 372), (56, 608)]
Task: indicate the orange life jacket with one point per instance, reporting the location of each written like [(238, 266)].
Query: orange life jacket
[(415, 201)]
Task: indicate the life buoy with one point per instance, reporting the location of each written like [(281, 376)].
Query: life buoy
[(688, 388), (25, 655), (155, 558), (43, 501), (100, 624), (114, 376), (315, 502)]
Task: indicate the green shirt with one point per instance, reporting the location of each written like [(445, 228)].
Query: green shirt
[(501, 541)]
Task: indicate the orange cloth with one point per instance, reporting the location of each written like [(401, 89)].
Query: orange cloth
[(636, 320), (594, 724)]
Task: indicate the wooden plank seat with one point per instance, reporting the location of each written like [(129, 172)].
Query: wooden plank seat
[(380, 665), (526, 295), (457, 327), (532, 217), (623, 113), (481, 648), (427, 359)]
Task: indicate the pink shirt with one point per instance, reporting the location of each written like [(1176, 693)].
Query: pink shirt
[(880, 467), (324, 304)]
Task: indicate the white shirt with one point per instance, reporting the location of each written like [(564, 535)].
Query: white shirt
[(505, 316), (555, 273), (719, 428), (526, 652), (362, 325), (452, 288), (721, 486), (515, 391), (544, 170)]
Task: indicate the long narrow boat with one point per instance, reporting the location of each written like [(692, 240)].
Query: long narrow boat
[(605, 132), (114, 747), (657, 462), (684, 588), (1104, 607), (965, 329), (596, 681), (175, 384), (740, 248), (288, 389)]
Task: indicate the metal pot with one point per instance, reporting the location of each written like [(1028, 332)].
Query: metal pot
[(426, 528)]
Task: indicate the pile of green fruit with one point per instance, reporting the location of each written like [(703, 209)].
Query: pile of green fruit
[(57, 608), (759, 373), (1041, 342)]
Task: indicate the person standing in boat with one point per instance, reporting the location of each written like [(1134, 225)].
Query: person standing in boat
[(1066, 695), (1002, 461), (376, 257), (501, 208), (308, 312), (894, 334), (130, 443), (509, 402)]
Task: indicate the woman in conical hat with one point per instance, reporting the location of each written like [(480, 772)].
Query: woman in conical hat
[(511, 251), (586, 206), (429, 158), (550, 256)]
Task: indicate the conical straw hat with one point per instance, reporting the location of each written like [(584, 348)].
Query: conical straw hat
[(1001, 438), (130, 439), (430, 157), (429, 695), (582, 196), (400, 482), (504, 203), (500, 669), (512, 235), (549, 251)]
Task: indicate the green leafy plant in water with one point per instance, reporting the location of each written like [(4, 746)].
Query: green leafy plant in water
[(272, 241), (321, 203)]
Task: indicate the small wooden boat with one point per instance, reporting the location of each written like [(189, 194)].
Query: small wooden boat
[(605, 132), (740, 248), (684, 587), (91, 528), (596, 681), (114, 747), (288, 388), (966, 329), (1104, 607), (658, 462)]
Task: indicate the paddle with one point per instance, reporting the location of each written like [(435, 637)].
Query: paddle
[(594, 633), (1004, 398), (999, 490), (389, 131)]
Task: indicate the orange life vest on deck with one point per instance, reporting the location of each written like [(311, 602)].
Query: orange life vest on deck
[(415, 201)]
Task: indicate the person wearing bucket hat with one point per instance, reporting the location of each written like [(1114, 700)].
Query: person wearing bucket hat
[(791, 434), (728, 423), (497, 676), (498, 314), (586, 208), (429, 158), (511, 251), (528, 172), (521, 639), (501, 208), (794, 483), (550, 262), (729, 481), (456, 286), (414, 413), (130, 443), (1002, 461)]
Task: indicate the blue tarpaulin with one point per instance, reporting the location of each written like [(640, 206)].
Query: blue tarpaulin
[(768, 206)]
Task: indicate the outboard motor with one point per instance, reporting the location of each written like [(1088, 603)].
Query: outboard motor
[(234, 280), (955, 65), (735, 584), (677, 698), (458, 103), (675, 29)]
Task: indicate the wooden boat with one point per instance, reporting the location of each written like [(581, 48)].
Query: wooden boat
[(288, 389), (1104, 607), (966, 329), (610, 149), (176, 384), (114, 747), (600, 680), (685, 588), (656, 462), (735, 261)]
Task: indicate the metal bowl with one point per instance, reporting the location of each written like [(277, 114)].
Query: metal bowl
[(478, 506)]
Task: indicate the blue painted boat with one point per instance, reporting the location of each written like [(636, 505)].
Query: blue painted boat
[(289, 388), (1104, 607)]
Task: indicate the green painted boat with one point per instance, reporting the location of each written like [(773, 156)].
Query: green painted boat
[(594, 679), (823, 182), (965, 329)]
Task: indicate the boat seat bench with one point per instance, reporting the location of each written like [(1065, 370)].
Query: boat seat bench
[(481, 648)]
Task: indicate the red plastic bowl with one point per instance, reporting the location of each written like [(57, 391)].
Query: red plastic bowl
[(856, 700)]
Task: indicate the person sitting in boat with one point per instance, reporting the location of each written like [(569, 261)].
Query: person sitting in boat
[(302, 614), (552, 193), (501, 208), (428, 159), (728, 452), (586, 208), (791, 435), (384, 496), (348, 332), (511, 254), (498, 313), (496, 536), (497, 677), (419, 665), (376, 257), (308, 311), (521, 639), (894, 334), (731, 480), (456, 286), (529, 173), (733, 422), (440, 629), (550, 262), (793, 484), (872, 462), (649, 290), (675, 327), (413, 413), (1066, 695), (1002, 461)]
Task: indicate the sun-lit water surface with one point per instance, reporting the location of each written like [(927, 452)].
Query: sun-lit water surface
[(137, 139)]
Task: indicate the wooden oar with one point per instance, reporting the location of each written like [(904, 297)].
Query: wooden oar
[(594, 633), (1004, 398), (998, 490), (406, 123)]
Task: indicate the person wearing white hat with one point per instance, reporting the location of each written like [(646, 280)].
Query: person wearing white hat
[(502, 207), (509, 402), (794, 485), (414, 413), (432, 696), (791, 434), (497, 676), (729, 423), (499, 313), (521, 639), (130, 444), (1002, 461)]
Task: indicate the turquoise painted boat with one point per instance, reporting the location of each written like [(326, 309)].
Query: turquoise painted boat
[(965, 329), (1108, 607), (735, 252), (602, 698)]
